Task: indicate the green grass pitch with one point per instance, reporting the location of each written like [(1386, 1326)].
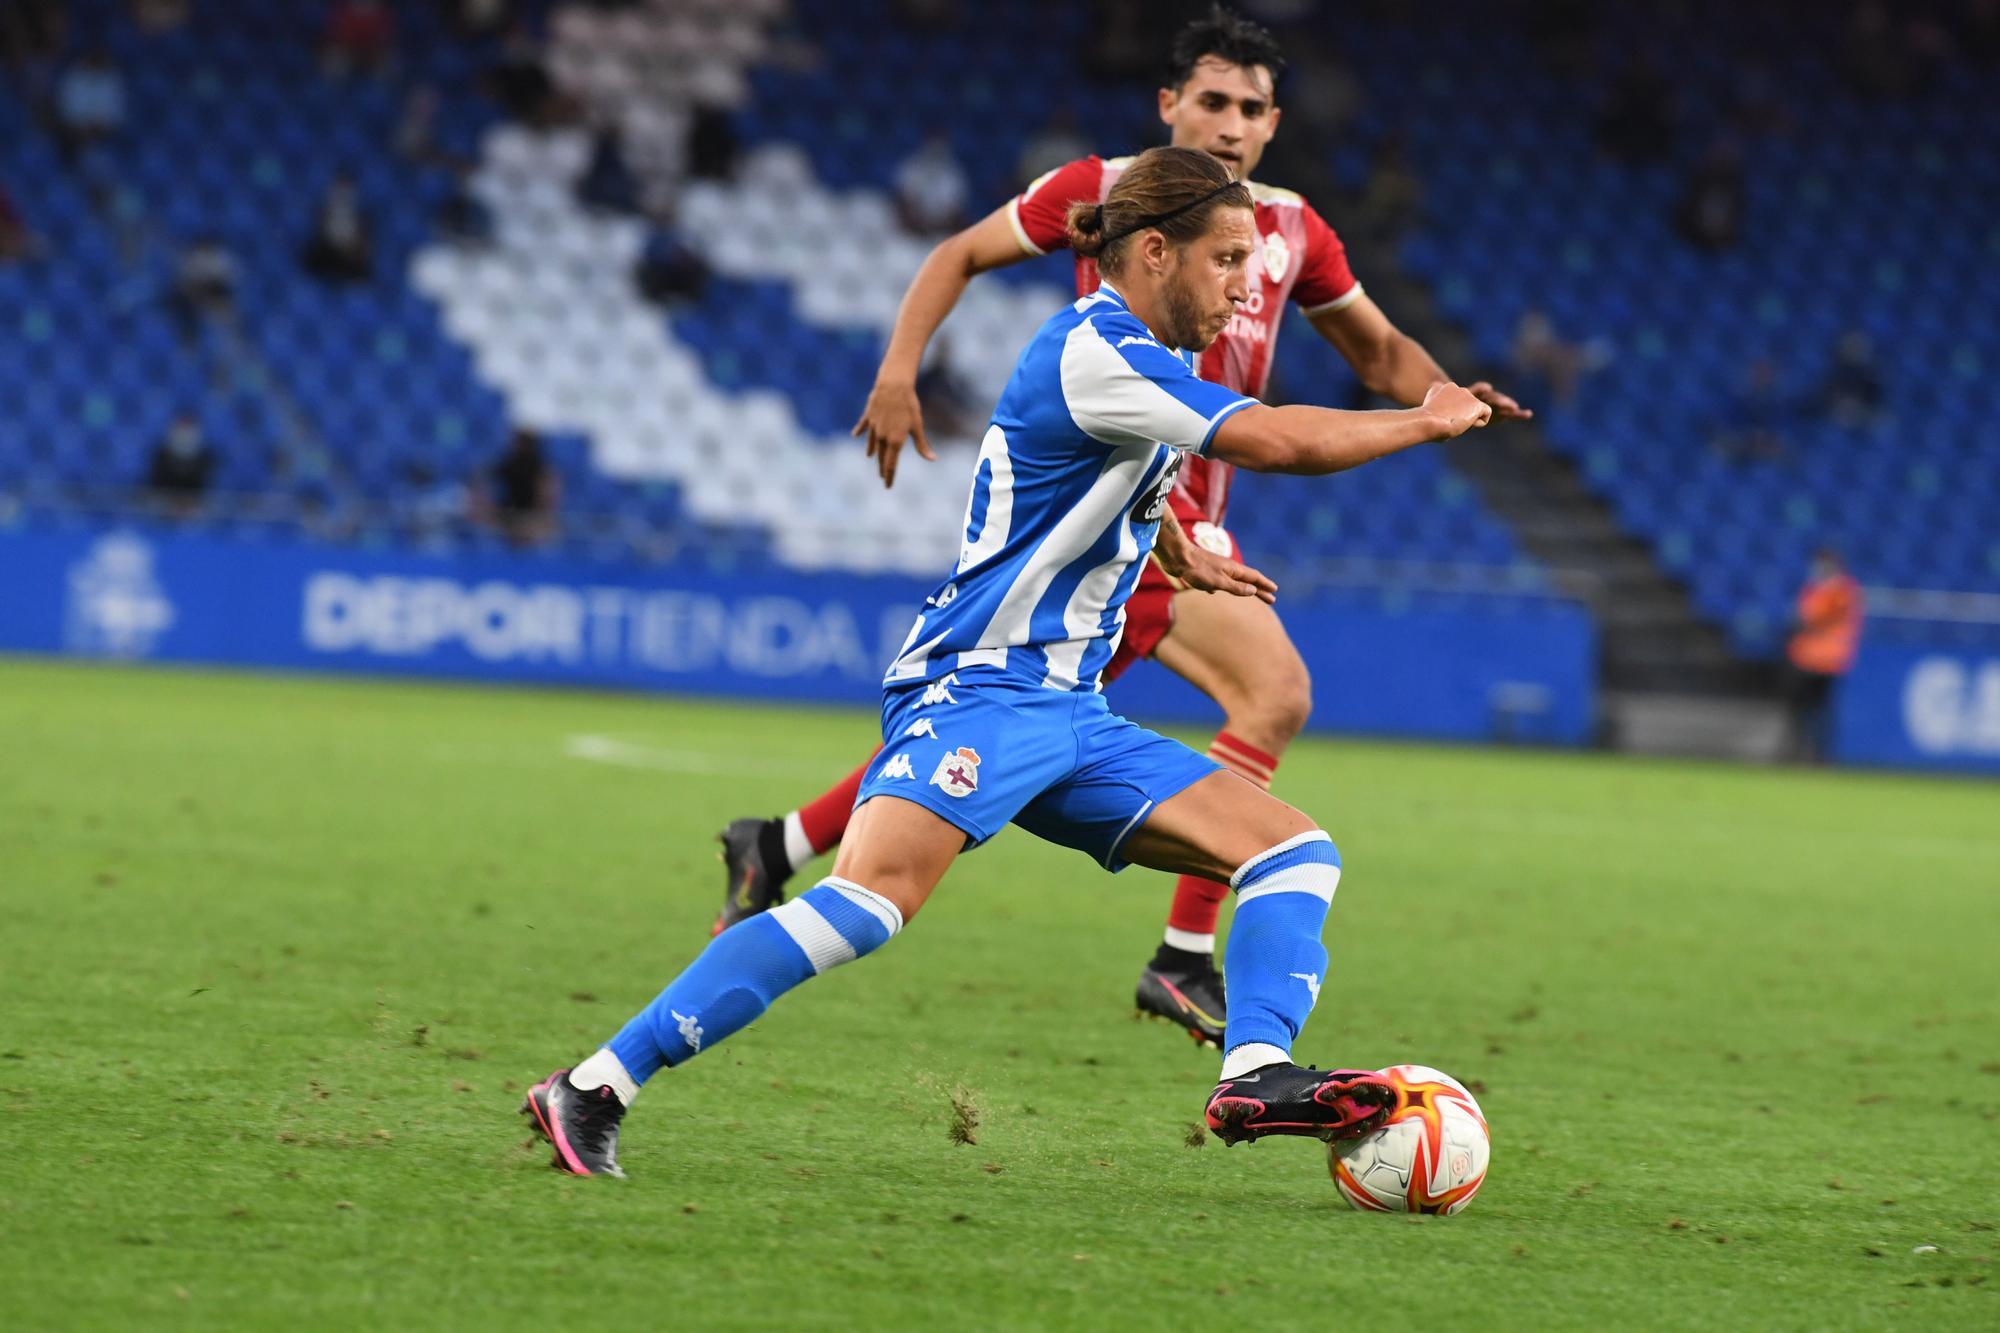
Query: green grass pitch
[(281, 955)]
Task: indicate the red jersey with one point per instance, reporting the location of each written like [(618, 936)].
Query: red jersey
[(1297, 258)]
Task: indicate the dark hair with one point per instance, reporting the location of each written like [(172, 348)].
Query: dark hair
[(1173, 190), (1226, 35)]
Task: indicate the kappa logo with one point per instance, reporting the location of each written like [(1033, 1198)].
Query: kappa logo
[(938, 692), (690, 1029), (958, 772), (899, 767), (1312, 983), (922, 727), (1131, 338)]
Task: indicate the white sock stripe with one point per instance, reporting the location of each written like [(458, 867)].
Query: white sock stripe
[(890, 915), (798, 847), (825, 947), (1314, 835), (1188, 940), (1318, 880), (1251, 1055)]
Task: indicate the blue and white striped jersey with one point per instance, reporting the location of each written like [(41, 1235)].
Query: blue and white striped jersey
[(1073, 476)]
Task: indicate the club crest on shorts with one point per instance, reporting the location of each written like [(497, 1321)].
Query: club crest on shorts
[(958, 772)]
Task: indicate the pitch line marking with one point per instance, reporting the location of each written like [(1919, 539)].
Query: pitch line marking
[(626, 754)]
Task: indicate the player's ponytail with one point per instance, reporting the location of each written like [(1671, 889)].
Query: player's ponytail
[(1174, 191)]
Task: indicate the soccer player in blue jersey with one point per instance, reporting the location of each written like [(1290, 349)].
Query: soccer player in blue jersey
[(991, 713)]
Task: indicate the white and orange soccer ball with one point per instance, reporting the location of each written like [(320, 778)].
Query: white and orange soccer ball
[(1429, 1158)]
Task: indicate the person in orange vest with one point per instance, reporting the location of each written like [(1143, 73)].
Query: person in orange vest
[(1821, 649)]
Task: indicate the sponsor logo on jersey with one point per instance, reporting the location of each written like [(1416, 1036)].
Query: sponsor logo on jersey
[(1210, 538), (958, 772), (1154, 502), (922, 727), (1277, 255), (937, 693), (899, 767)]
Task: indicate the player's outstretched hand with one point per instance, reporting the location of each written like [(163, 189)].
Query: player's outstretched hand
[(892, 416), (1208, 572), (1504, 407), (1457, 409)]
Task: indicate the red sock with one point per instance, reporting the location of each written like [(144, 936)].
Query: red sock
[(824, 818), (1197, 902)]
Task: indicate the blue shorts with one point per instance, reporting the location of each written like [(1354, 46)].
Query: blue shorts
[(1059, 763)]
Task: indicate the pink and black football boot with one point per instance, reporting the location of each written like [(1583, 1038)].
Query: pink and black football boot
[(581, 1126), (1324, 1104)]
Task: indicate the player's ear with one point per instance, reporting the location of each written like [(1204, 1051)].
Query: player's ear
[(1153, 247), (1170, 101), (1277, 114)]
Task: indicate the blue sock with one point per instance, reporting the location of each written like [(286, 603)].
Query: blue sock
[(1275, 961), (751, 964)]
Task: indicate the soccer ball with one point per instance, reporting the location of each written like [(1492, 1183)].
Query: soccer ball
[(1429, 1158)]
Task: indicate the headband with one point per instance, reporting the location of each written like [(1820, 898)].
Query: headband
[(1167, 216)]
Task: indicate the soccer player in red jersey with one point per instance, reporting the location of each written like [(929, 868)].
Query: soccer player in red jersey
[(1220, 97)]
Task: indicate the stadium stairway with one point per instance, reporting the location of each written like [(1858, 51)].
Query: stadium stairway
[(1672, 681)]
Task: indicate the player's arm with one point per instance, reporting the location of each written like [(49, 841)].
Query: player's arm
[(1391, 362), (1203, 570), (1313, 441), (893, 414)]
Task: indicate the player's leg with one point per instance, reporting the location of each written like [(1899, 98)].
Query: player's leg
[(1283, 869), (895, 855), (1236, 651), (922, 801), (760, 855)]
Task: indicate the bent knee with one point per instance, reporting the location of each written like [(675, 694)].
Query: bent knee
[(1275, 704)]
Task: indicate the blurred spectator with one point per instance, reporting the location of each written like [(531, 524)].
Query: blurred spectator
[(158, 15), (1393, 199), (1124, 41), (1852, 391), (1636, 125), (711, 143), (1551, 362), (1979, 37), (931, 189), (16, 240), (1757, 418), (205, 281), (520, 81), (669, 271), (416, 126), (462, 216), (429, 508), (928, 16), (31, 33), (1884, 54), (1055, 143), (341, 248), (181, 467), (1713, 200), (475, 19), (608, 182), (946, 399), (1824, 639), (90, 103), (360, 38), (521, 493)]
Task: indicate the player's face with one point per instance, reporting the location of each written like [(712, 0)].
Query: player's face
[(1223, 109), (1207, 282)]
